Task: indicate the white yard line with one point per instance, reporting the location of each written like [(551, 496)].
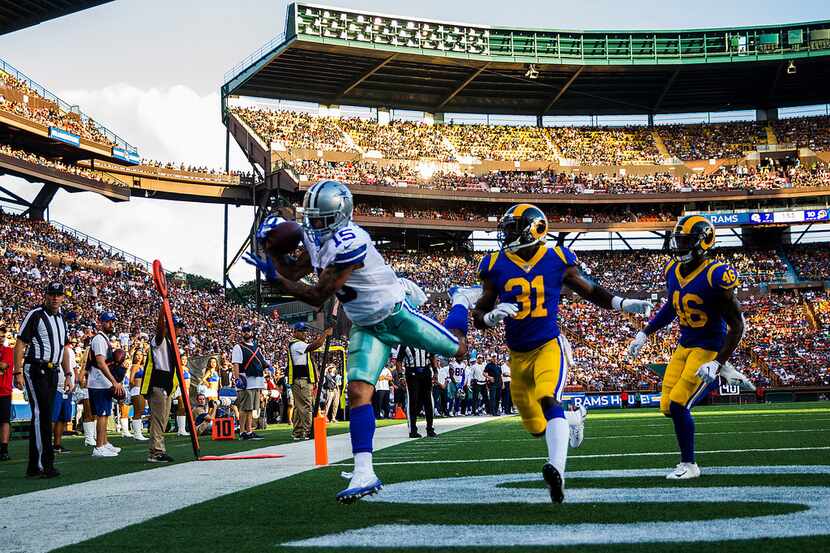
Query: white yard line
[(454, 441), (48, 519), (591, 456)]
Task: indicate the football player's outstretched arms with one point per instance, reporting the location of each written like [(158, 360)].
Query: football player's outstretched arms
[(601, 297), (294, 268), (330, 282)]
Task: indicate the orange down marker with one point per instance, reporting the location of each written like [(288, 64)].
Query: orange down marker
[(321, 450)]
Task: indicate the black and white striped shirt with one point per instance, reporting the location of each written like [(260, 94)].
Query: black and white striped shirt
[(46, 335), (415, 358)]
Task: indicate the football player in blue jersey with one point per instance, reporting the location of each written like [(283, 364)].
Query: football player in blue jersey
[(701, 296), (521, 284), (381, 306)]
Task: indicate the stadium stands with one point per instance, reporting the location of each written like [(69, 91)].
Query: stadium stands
[(712, 141), (804, 132), (71, 169), (727, 178), (17, 97), (407, 140)]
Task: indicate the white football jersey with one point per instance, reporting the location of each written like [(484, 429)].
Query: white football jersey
[(459, 372), (372, 291)]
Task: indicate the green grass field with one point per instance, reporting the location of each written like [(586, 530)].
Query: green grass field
[(302, 507)]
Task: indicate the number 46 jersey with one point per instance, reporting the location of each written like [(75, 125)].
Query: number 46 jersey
[(372, 291), (697, 302), (534, 286)]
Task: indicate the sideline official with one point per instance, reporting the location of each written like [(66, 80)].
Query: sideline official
[(157, 385), (418, 364), (41, 350), (301, 377)]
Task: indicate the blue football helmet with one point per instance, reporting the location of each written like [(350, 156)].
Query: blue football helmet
[(267, 225)]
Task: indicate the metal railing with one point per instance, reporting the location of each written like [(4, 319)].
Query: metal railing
[(374, 30), (109, 248), (254, 56), (41, 91)]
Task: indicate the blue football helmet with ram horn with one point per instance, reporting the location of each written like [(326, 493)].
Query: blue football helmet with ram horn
[(267, 225), (327, 207)]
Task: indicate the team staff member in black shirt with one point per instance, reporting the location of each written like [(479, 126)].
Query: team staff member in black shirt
[(419, 365), (40, 352)]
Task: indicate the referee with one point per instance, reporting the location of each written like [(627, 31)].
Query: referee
[(419, 365), (40, 352)]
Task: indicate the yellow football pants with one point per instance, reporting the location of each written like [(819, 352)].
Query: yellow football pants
[(537, 374), (681, 383)]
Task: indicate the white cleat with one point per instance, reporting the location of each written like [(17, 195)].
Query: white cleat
[(733, 376), (89, 440), (576, 426), (103, 452), (684, 471), (359, 486), (465, 295), (112, 448)]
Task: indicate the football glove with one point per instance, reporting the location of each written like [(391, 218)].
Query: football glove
[(499, 313), (636, 345), (708, 372), (264, 264), (414, 295), (640, 307), (734, 377)]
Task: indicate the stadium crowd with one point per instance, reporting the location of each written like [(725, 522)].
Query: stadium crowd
[(727, 178), (408, 140), (712, 141), (57, 165), (17, 97)]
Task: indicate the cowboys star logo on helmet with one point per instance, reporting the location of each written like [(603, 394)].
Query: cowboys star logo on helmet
[(327, 208)]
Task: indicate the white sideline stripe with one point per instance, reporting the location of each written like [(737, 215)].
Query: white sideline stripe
[(591, 456), (149, 494), (531, 439)]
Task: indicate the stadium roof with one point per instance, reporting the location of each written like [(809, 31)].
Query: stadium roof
[(334, 56), (25, 13)]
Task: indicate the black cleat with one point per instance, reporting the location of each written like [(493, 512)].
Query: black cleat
[(431, 434), (415, 435), (4, 456), (554, 481), (50, 473)]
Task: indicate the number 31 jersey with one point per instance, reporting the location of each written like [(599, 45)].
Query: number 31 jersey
[(697, 298), (534, 286), (372, 291)]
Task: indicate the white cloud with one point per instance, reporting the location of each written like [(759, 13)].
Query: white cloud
[(172, 124)]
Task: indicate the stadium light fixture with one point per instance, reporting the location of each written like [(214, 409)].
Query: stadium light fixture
[(532, 72), (791, 69)]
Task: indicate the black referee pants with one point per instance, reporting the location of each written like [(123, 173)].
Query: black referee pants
[(419, 388), (41, 385)]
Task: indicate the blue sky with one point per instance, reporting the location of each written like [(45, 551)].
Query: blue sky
[(150, 70)]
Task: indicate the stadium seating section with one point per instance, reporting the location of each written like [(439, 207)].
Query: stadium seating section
[(18, 98), (405, 140)]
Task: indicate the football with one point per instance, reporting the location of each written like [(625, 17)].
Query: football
[(284, 238)]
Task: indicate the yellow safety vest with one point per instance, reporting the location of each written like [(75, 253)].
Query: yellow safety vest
[(148, 372), (308, 363)]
